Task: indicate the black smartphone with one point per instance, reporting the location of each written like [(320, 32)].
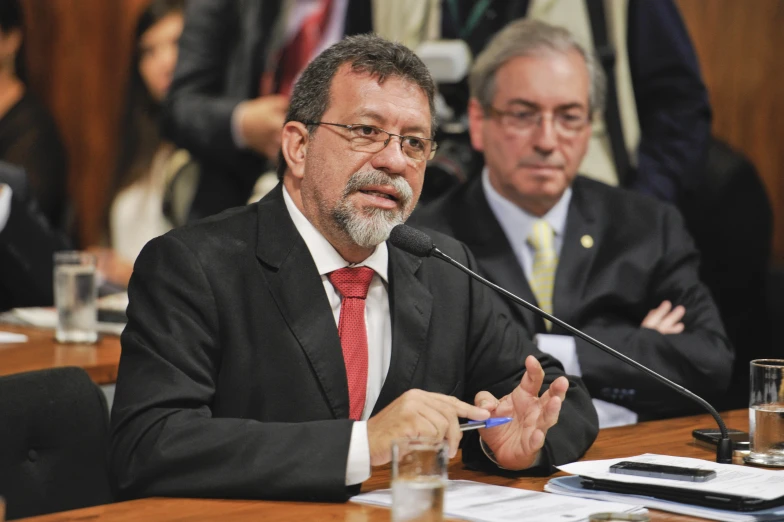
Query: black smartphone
[(740, 439), (644, 469)]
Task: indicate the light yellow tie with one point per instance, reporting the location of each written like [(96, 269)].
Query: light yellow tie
[(545, 263)]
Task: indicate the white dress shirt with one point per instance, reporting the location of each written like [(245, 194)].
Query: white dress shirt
[(5, 204), (517, 225), (377, 320)]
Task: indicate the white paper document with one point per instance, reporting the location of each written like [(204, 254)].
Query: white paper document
[(12, 337), (47, 318), (479, 502), (730, 479)]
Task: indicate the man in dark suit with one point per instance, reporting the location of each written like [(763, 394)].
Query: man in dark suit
[(225, 105), (613, 263), (234, 380), (27, 244)]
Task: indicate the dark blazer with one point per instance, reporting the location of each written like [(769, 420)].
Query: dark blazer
[(27, 247), (232, 382), (641, 255), (223, 51)]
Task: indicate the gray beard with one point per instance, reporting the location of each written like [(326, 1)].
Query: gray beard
[(367, 228), (371, 227)]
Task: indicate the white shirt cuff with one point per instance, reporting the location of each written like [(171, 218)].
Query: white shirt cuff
[(563, 348), (611, 414), (358, 465), (5, 205), (236, 126)]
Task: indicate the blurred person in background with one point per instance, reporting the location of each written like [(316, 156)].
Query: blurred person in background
[(656, 142), (147, 162), (28, 134), (238, 62), (27, 244)]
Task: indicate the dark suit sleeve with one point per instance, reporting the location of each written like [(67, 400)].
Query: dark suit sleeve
[(197, 112), (165, 439), (699, 359), (496, 363), (672, 101), (27, 247)]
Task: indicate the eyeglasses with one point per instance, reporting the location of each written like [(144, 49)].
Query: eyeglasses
[(367, 138), (566, 124)]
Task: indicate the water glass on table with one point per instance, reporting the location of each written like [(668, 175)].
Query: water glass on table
[(75, 296), (766, 413), (419, 475)]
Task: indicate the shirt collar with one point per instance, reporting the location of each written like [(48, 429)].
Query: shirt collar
[(325, 256), (517, 222)]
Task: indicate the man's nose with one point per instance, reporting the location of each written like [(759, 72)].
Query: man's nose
[(391, 159), (545, 137)]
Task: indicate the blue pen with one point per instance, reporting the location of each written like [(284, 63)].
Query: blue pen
[(489, 423)]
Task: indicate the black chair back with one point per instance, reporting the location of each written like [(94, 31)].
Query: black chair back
[(54, 440)]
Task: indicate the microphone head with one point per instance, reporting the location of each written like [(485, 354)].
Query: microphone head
[(411, 240)]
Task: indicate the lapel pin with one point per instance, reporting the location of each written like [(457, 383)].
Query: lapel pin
[(586, 241)]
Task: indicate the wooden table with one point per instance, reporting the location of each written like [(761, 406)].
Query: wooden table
[(671, 437), (42, 351)]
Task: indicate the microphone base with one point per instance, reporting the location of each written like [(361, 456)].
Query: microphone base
[(724, 451)]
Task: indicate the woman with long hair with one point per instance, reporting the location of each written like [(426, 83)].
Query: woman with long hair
[(146, 161), (28, 134)]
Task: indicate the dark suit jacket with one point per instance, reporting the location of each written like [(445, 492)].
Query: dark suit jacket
[(641, 255), (232, 381), (223, 51), (27, 247)]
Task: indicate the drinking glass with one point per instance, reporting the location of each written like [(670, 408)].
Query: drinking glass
[(75, 295), (419, 479), (766, 413)]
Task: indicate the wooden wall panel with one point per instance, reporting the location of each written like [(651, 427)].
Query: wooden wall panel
[(78, 54), (739, 43)]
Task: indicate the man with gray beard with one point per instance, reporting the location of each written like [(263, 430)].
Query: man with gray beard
[(275, 351)]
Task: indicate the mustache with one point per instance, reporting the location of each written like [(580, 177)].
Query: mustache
[(360, 180), (535, 163)]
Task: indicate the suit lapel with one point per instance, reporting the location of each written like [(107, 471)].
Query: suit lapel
[(298, 291), (410, 304), (581, 241), (477, 227)]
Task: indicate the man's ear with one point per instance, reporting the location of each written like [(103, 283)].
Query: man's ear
[(294, 146), (476, 122)]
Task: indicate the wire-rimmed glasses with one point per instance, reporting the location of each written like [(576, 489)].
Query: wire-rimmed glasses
[(367, 138)]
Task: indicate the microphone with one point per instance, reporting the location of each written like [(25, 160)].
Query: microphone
[(420, 244)]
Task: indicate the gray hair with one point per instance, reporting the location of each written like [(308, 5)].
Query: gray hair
[(367, 53), (528, 37)]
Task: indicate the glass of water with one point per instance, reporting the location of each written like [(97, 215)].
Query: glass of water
[(75, 295), (418, 479), (766, 413)]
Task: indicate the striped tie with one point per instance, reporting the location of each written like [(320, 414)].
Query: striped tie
[(545, 262)]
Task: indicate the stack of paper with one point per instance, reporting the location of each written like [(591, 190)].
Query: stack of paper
[(12, 337), (47, 318), (479, 502), (731, 480)]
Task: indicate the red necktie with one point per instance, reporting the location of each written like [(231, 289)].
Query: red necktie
[(296, 55), (352, 283)]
